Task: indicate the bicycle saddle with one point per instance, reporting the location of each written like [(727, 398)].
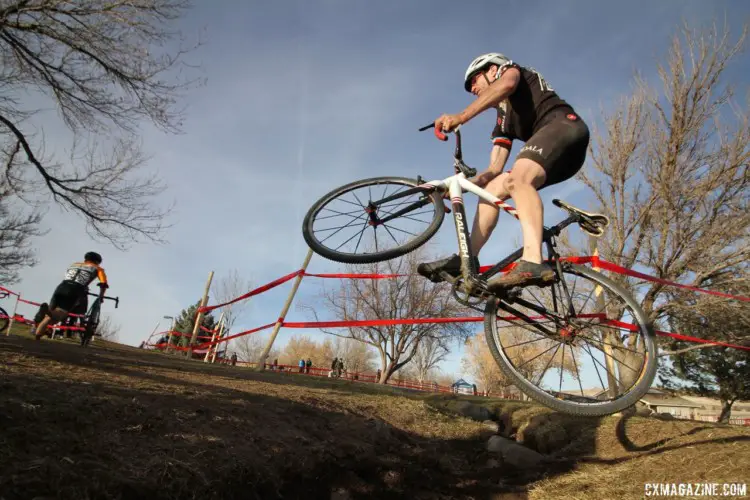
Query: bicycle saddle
[(591, 223)]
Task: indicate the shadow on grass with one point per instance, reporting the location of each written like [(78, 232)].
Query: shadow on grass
[(128, 432), (154, 436)]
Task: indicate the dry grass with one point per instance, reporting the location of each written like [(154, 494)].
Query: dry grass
[(118, 422)]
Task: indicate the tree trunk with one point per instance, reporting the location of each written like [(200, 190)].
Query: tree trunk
[(726, 411)]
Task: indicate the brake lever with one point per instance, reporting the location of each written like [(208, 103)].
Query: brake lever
[(438, 133)]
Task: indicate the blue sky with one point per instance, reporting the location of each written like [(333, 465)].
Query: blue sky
[(302, 97)]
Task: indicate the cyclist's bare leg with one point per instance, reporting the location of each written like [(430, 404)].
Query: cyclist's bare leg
[(55, 315), (487, 214), (522, 184)]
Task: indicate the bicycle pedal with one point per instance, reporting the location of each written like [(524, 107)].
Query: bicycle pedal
[(512, 294)]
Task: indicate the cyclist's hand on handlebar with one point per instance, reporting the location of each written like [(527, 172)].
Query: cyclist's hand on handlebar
[(448, 123)]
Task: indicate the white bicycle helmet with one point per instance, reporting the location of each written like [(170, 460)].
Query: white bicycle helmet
[(482, 62)]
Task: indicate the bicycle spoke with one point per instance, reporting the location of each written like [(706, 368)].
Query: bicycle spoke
[(358, 200), (350, 239), (562, 366), (411, 217), (535, 297), (389, 232), (578, 374), (525, 343), (386, 226), (605, 368), (597, 373), (349, 214), (361, 233), (394, 204), (521, 325), (610, 356), (362, 207), (343, 227), (532, 359), (547, 365), (611, 345), (587, 299), (336, 227), (531, 328), (385, 190)]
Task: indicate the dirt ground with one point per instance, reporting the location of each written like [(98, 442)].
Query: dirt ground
[(112, 422)]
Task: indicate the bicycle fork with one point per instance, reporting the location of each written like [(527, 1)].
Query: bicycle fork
[(468, 271)]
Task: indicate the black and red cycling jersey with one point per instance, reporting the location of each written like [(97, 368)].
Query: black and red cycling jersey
[(523, 113)]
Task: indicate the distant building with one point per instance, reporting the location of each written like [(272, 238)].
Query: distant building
[(679, 405), (710, 410), (461, 386), (661, 401)]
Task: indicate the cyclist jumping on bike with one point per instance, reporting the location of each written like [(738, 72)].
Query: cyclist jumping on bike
[(556, 139), (71, 296)]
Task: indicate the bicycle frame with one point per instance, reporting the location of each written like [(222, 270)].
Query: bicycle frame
[(93, 314), (455, 185)]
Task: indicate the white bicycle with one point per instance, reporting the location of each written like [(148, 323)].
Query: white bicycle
[(583, 314)]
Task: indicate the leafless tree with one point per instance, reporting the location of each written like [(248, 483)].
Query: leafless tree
[(430, 353), (713, 316), (407, 297), (357, 356), (16, 231), (107, 66), (479, 363), (670, 169), (108, 329), (249, 347), (229, 287)]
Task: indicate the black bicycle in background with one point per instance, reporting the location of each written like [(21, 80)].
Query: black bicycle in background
[(4, 318), (91, 320)]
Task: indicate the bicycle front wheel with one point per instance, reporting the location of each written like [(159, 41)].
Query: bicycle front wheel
[(373, 220), (4, 320), (582, 346), (86, 335)]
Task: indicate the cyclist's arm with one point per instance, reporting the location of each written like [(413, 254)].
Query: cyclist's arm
[(498, 157), (103, 284), (498, 91)]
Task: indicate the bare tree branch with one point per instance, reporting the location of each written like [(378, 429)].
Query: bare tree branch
[(16, 231), (108, 330), (663, 353), (228, 287), (670, 169), (107, 66), (410, 296)]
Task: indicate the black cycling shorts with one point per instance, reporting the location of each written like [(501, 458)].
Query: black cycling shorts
[(559, 146), (70, 297)]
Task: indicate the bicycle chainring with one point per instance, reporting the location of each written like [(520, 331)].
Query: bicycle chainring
[(478, 295)]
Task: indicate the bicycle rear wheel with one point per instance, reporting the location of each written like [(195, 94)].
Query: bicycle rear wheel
[(373, 220), (593, 354)]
